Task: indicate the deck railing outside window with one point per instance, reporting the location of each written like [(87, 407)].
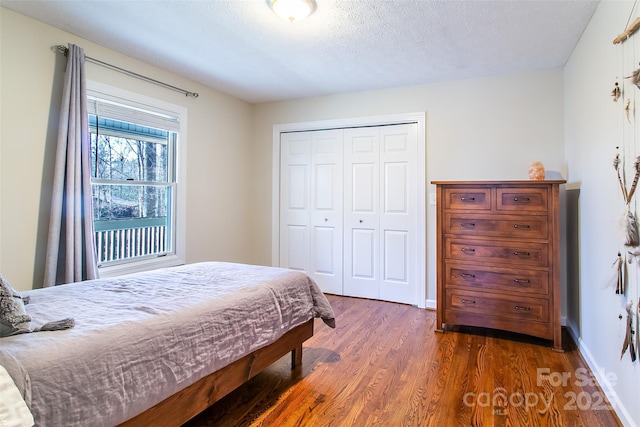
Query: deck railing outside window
[(122, 239)]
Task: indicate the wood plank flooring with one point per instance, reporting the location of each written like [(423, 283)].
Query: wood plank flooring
[(384, 365)]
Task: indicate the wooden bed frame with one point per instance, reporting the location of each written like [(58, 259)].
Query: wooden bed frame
[(190, 401)]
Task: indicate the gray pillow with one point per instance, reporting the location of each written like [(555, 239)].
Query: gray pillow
[(13, 316)]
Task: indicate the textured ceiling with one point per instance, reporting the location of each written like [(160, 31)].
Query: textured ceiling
[(242, 48)]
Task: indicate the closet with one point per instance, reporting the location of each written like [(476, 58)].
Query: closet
[(348, 209), (311, 213)]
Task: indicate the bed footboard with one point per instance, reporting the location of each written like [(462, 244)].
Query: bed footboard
[(189, 402)]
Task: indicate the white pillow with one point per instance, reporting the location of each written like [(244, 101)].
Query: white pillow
[(13, 409)]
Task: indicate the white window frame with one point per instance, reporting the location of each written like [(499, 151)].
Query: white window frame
[(178, 256)]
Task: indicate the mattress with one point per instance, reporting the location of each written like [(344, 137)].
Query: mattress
[(140, 338)]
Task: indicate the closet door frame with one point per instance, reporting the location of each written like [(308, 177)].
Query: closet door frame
[(391, 119)]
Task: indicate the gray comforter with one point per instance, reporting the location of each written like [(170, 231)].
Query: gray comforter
[(140, 338)]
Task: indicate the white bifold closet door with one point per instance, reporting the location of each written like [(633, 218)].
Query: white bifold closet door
[(380, 213), (348, 210), (311, 197)]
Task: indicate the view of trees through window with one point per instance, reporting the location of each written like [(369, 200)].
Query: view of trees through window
[(128, 163), (132, 186)]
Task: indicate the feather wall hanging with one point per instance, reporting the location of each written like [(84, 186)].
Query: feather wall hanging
[(631, 224), (624, 279), (635, 77), (629, 342), (615, 92), (628, 110), (619, 276)]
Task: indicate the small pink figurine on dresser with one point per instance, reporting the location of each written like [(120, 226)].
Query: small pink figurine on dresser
[(536, 171)]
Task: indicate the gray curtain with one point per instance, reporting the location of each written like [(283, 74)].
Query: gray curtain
[(70, 248)]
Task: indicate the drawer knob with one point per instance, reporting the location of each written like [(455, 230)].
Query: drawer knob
[(467, 301), (521, 199), (521, 226), (468, 224), (467, 276), (467, 199), (523, 254), (521, 280), (521, 308), (468, 250)]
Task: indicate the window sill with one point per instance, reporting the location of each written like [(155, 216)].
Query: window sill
[(140, 266)]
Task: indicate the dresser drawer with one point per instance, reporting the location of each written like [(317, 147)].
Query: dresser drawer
[(520, 280), (467, 198), (497, 251), (517, 226), (522, 199), (513, 307)]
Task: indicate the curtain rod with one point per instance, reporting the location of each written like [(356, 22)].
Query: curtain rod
[(64, 49)]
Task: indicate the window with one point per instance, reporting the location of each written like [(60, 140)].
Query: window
[(135, 148)]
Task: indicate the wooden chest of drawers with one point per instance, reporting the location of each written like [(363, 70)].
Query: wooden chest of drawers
[(498, 255)]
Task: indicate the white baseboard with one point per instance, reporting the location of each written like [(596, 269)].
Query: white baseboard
[(431, 304), (603, 382)]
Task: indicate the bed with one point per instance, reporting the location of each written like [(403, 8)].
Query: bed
[(157, 348)]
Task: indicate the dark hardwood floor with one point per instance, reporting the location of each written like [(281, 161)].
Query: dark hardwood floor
[(384, 365)]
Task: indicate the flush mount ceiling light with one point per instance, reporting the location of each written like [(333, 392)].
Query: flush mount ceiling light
[(292, 10)]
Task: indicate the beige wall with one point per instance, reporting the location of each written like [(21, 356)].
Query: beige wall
[(479, 129), (219, 146), (595, 126)]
